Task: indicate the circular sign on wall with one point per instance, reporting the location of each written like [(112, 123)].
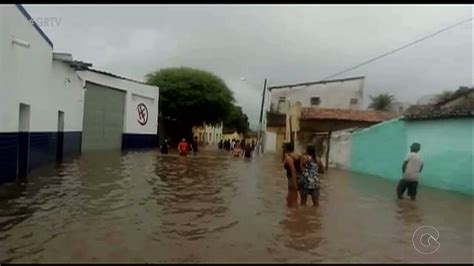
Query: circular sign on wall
[(142, 114)]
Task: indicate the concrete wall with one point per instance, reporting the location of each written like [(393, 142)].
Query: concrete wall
[(341, 148), (270, 140), (332, 95), (380, 150), (30, 76), (446, 147)]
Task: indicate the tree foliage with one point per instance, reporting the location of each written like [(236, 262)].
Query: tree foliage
[(192, 96), (237, 119), (381, 102)]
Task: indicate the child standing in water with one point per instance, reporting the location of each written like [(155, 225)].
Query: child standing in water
[(411, 169)]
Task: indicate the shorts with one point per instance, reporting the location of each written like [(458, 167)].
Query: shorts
[(312, 192), (404, 185)]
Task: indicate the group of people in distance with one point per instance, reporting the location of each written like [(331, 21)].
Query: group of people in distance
[(183, 147), (238, 148), (303, 174)]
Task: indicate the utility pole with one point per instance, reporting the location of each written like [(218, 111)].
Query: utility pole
[(260, 124)]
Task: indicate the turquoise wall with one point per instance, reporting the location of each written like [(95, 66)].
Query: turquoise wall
[(446, 148), (380, 150)]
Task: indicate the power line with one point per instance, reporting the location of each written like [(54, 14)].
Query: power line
[(398, 49)]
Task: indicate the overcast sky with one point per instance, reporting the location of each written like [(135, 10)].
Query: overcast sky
[(282, 43)]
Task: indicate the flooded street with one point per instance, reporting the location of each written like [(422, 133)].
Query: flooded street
[(142, 206)]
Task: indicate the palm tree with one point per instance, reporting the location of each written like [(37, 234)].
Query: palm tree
[(381, 102)]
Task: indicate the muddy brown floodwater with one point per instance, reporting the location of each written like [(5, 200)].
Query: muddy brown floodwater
[(141, 206)]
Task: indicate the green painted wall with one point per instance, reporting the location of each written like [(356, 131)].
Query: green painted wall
[(380, 150), (446, 148)]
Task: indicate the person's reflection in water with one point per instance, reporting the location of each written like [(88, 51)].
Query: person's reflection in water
[(303, 226), (408, 213)]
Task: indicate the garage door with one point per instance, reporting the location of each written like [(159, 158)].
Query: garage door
[(103, 118)]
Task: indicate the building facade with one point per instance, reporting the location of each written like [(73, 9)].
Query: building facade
[(345, 94), (119, 113), (48, 106), (208, 134), (41, 99)]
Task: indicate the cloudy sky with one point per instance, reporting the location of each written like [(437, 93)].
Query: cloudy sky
[(284, 43)]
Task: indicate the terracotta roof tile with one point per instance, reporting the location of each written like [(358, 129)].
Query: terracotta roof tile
[(422, 112), (345, 114)]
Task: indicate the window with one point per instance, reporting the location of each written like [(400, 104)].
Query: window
[(315, 101), (354, 101), (281, 99), (210, 136)]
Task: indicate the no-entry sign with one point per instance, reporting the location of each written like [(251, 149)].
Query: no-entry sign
[(142, 114)]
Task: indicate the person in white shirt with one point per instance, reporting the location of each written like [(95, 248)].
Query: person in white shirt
[(411, 169)]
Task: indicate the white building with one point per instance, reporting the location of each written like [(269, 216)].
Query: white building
[(44, 103), (208, 134), (346, 93)]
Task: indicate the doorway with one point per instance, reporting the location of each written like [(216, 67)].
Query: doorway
[(60, 137), (23, 140)]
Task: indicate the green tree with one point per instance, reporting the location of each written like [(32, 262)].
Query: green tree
[(381, 102), (192, 96), (237, 119)]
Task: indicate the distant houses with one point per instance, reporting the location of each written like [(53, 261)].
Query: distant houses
[(282, 124), (208, 134), (231, 133)]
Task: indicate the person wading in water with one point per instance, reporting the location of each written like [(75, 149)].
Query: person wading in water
[(183, 147), (292, 167), (165, 147), (194, 145), (309, 183), (248, 151)]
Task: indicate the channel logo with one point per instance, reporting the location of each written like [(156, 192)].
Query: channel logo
[(425, 240)]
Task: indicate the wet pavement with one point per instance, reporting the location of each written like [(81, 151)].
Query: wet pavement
[(142, 206)]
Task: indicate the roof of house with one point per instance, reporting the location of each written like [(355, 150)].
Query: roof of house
[(456, 96), (313, 113), (117, 76), (314, 83), (31, 20), (429, 112)]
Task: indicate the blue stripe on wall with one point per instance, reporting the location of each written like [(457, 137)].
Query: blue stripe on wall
[(139, 141), (42, 150), (8, 157)]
